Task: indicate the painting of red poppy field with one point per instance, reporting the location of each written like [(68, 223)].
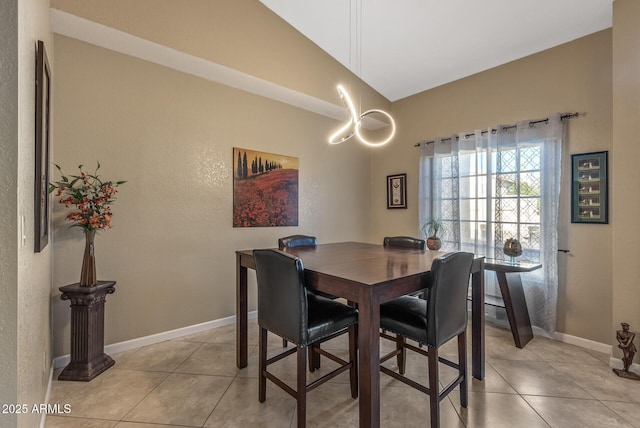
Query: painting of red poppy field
[(265, 189)]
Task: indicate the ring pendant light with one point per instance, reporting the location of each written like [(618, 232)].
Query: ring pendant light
[(353, 125)]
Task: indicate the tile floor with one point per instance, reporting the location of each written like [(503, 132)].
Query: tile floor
[(193, 382)]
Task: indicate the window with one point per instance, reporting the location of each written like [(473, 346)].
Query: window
[(497, 184), (510, 209)]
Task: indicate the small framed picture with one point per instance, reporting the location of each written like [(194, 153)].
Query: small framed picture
[(589, 188), (397, 191)]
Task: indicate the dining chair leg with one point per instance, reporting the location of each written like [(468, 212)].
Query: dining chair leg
[(353, 357), (434, 387), (312, 358), (302, 386), (317, 358), (462, 363), (262, 365), (401, 358)]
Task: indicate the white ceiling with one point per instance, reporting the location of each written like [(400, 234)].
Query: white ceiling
[(403, 47)]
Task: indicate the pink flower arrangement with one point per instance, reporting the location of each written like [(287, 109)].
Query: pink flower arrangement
[(91, 196)]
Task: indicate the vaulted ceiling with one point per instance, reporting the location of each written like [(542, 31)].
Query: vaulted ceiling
[(404, 47)]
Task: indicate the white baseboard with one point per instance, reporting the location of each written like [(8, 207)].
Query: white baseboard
[(561, 337), (583, 343), (139, 342), (43, 418), (614, 363)]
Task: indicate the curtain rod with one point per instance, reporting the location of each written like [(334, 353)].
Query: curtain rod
[(493, 130)]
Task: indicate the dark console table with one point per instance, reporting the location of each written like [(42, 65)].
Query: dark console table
[(88, 359), (508, 274)]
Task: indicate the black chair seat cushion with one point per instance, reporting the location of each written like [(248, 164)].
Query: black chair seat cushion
[(406, 316), (327, 317), (322, 294)]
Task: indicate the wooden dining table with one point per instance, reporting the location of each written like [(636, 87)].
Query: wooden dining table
[(366, 274)]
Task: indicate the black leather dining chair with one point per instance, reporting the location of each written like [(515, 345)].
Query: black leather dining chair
[(286, 309), (303, 241), (432, 322), (297, 241), (404, 242)]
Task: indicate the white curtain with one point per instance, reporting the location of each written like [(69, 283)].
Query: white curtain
[(497, 184)]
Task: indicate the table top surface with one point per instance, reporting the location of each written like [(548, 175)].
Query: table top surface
[(368, 264), (499, 265)]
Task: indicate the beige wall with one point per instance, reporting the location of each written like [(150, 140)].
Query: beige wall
[(34, 269), (572, 77), (25, 331), (170, 135), (626, 129), (9, 206), (241, 34)]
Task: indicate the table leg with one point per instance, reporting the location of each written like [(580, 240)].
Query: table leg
[(241, 314), (516, 307), (369, 362), (477, 323)]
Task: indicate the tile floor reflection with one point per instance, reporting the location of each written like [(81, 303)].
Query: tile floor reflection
[(193, 382)]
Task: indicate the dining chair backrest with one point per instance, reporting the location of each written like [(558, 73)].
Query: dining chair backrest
[(447, 297), (404, 242), (282, 296), (297, 241)]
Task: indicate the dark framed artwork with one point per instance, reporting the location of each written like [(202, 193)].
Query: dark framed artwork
[(589, 188), (397, 191), (41, 193), (265, 189)]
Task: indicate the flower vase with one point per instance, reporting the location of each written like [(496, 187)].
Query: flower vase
[(88, 274)]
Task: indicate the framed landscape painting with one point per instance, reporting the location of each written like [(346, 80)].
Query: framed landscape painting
[(265, 189)]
